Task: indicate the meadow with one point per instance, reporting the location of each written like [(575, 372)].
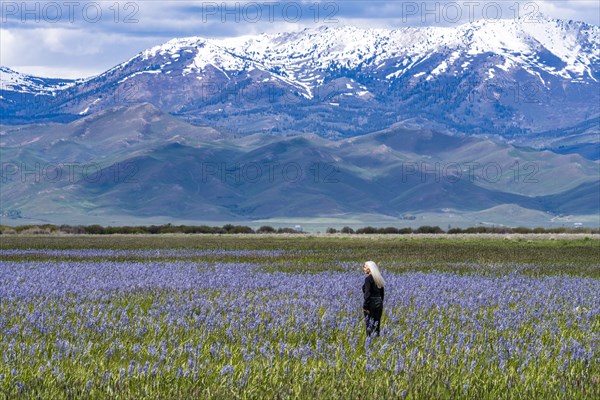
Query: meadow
[(255, 317)]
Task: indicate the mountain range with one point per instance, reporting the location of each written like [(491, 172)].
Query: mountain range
[(458, 125), (137, 164)]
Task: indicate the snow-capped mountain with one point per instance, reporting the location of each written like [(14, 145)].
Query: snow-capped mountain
[(304, 58), (23, 83), (23, 96), (506, 77)]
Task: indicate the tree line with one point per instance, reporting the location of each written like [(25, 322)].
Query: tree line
[(242, 229)]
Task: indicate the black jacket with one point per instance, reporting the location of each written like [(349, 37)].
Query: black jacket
[(370, 289)]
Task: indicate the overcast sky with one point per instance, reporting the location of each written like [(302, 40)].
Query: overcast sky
[(72, 39)]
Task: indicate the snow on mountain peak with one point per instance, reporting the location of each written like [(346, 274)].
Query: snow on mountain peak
[(316, 50), (302, 58), (18, 82)]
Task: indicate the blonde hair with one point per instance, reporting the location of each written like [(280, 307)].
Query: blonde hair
[(375, 273)]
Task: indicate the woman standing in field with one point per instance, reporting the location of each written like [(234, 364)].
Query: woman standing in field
[(373, 297)]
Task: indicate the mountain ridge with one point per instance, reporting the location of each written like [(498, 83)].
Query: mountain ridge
[(153, 166), (438, 124), (503, 78)]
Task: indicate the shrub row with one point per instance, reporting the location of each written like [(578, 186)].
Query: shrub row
[(229, 228), (479, 229)]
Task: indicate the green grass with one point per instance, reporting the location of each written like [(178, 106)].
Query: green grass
[(424, 355), (400, 254)]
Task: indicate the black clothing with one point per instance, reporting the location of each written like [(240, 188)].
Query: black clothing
[(372, 305), (371, 290), (373, 321)]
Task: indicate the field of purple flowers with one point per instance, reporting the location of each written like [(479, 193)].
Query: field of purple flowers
[(203, 322)]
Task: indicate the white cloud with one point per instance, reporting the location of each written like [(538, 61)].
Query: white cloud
[(7, 48), (578, 10), (71, 42), (68, 53)]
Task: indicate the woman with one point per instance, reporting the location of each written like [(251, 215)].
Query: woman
[(374, 293)]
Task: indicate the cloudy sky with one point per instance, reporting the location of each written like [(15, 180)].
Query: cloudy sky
[(72, 39)]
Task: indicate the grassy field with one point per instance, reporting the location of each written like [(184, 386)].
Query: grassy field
[(529, 254), (254, 317)]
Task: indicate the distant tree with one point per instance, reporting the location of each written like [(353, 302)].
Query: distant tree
[(206, 229), (429, 229), (366, 230), (153, 229), (94, 229), (331, 230), (237, 229), (228, 227), (266, 229), (347, 230), (286, 230)]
